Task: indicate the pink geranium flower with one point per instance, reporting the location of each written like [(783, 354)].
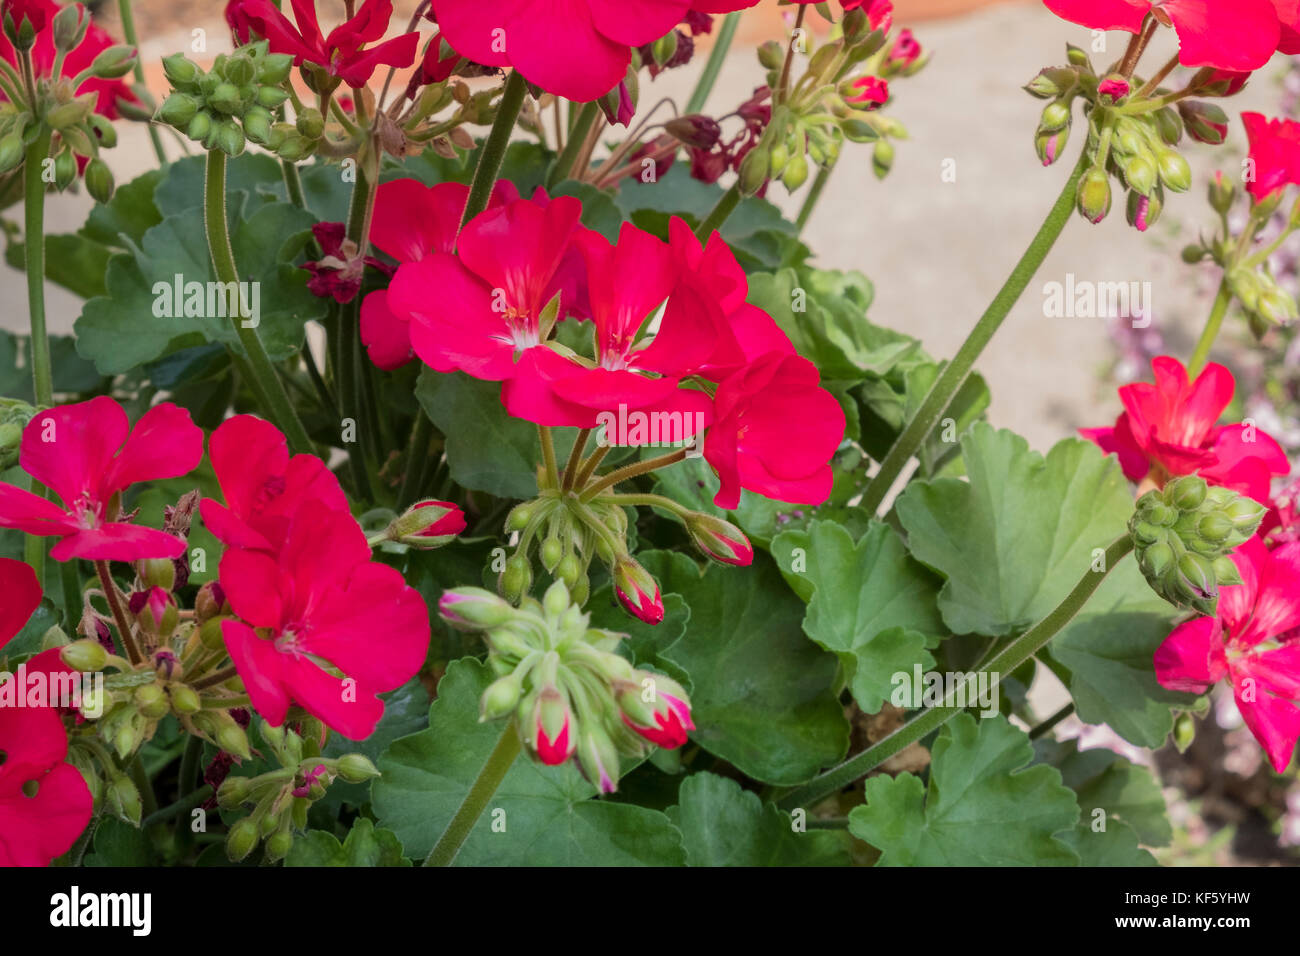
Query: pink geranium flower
[(1253, 642), (775, 431), (1227, 34), (1274, 154), (321, 624), (410, 221), (35, 829), (89, 454), (22, 594), (1171, 428), (577, 49), (262, 485), (478, 310), (347, 52), (96, 41), (872, 92)]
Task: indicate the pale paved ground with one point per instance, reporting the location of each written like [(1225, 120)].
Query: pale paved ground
[(938, 251)]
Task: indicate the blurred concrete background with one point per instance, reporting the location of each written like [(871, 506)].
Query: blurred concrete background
[(937, 251)]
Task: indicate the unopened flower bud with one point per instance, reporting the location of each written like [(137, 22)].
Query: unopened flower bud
[(114, 63), (753, 170), (695, 130), (598, 760), (719, 540), (771, 55), (1113, 90), (242, 839), (501, 698), (517, 577), (882, 158), (428, 524), (123, 799), (637, 590), (1094, 195), (274, 68), (11, 152), (1143, 211), (151, 700), (311, 123), (279, 844), (99, 180), (1056, 116), (85, 656), (1205, 122), (474, 609), (185, 700), (1170, 125), (182, 72), (551, 727), (1175, 171), (356, 768), (233, 792)]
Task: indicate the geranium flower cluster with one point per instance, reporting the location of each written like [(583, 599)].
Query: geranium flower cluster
[(306, 595), (672, 335)]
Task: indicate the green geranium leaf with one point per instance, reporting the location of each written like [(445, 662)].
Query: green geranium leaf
[(364, 846), (1117, 845), (763, 696), (1016, 538), (723, 825), (869, 603), (122, 330), (543, 816), (1105, 781), (487, 449), (982, 808)]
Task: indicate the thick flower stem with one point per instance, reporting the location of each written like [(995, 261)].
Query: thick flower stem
[(1211, 331), (955, 373), (480, 793), (263, 379), (128, 34), (726, 33), (216, 677), (133, 652), (34, 210), (572, 469), (1008, 660), (548, 456), (783, 88), (720, 213), (494, 149), (421, 437), (634, 470), (349, 368), (564, 165)]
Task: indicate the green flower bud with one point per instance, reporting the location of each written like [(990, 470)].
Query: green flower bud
[(1094, 195), (1157, 559), (178, 110), (183, 73), (242, 839), (1140, 174), (231, 738), (1186, 493), (85, 656), (882, 158), (123, 799), (69, 27), (151, 700), (356, 768), (274, 68), (771, 55), (103, 129), (519, 516), (99, 180), (474, 609), (1214, 528), (279, 845), (753, 170), (71, 113), (1170, 125), (516, 578), (1174, 171), (240, 70), (226, 99), (233, 792), (795, 173), (185, 700), (311, 123), (501, 698), (257, 125), (230, 138), (270, 97), (1225, 571), (552, 552), (200, 126), (1056, 116), (114, 63), (1184, 732), (11, 152)]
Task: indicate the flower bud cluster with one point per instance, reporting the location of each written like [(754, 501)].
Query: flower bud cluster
[(572, 697), (1184, 534)]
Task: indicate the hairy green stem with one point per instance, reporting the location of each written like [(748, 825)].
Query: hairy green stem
[(1211, 331), (634, 470), (263, 378), (956, 372), (563, 167), (814, 194), (721, 46), (34, 216), (720, 213), (114, 599), (421, 437), (480, 793), (1008, 660), (494, 149), (129, 34)]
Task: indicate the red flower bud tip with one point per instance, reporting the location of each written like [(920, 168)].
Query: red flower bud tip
[(598, 760), (1141, 220), (720, 540), (695, 130), (428, 524), (638, 591), (474, 609), (309, 780), (672, 719), (554, 743), (154, 600), (906, 50), (1114, 87), (872, 90)]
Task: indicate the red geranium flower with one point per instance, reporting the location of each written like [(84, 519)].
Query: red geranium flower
[(322, 624), (1274, 154), (775, 432), (262, 485), (1171, 428), (22, 594), (1227, 34), (577, 49), (1254, 641), (477, 310), (872, 90), (88, 454), (95, 42), (37, 828), (410, 221), (344, 53)]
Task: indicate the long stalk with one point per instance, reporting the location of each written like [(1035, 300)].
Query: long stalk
[(263, 378), (480, 793), (42, 369), (955, 373), (494, 149), (721, 46), (129, 34), (1008, 660), (564, 165), (1211, 331)]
